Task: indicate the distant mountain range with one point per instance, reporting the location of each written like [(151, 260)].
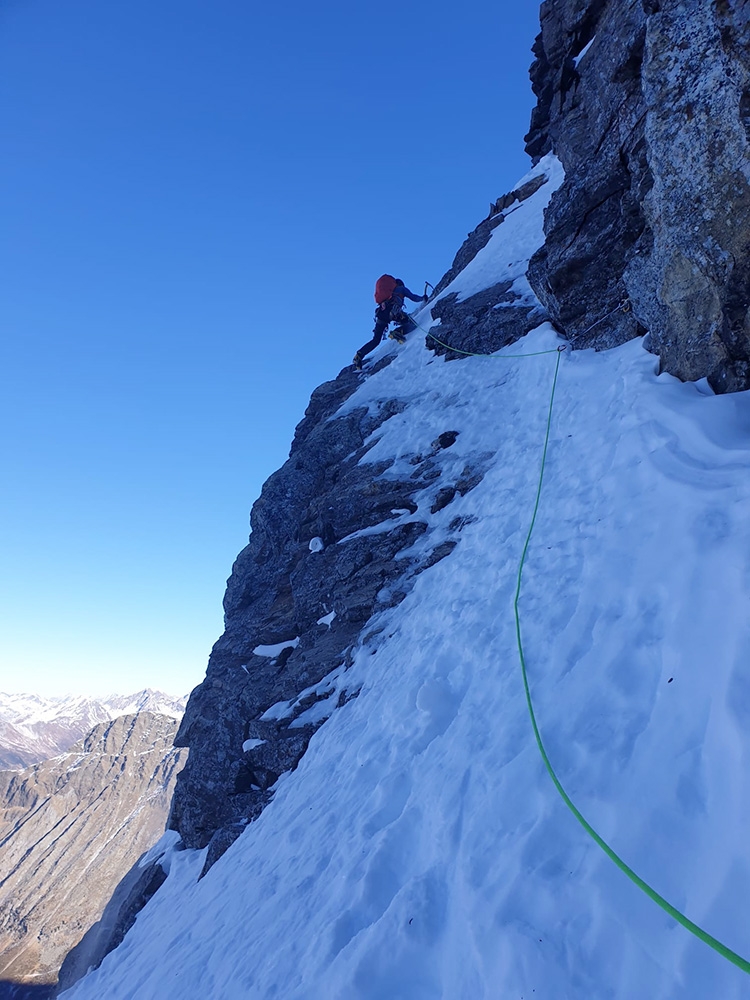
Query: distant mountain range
[(34, 728), (70, 829)]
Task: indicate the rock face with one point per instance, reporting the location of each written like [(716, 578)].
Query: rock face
[(495, 316), (299, 596), (330, 548), (70, 828), (33, 728), (647, 104)]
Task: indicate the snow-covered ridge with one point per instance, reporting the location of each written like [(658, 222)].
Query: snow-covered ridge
[(419, 850), (34, 727), (29, 709)]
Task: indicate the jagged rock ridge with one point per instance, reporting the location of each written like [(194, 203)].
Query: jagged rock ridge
[(621, 245), (70, 828), (316, 602), (34, 728), (321, 561)]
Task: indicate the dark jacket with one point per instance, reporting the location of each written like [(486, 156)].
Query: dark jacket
[(401, 292)]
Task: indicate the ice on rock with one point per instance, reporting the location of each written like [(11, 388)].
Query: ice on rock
[(275, 650), (251, 745)]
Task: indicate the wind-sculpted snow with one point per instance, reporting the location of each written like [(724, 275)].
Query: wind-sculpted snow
[(420, 850)]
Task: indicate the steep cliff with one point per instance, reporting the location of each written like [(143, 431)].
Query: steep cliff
[(364, 808), (646, 104), (70, 828), (419, 849), (336, 538), (643, 104)]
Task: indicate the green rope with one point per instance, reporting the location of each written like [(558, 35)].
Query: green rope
[(473, 354), (673, 912), (704, 936)]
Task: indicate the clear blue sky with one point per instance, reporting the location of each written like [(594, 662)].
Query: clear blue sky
[(196, 199)]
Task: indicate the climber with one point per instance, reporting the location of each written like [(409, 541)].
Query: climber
[(390, 293)]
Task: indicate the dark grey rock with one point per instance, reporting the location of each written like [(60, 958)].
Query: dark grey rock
[(481, 323), (281, 750), (445, 440), (469, 479), (651, 126), (689, 281), (520, 194), (443, 498), (647, 105), (128, 899), (439, 552), (224, 837), (280, 591), (591, 115)]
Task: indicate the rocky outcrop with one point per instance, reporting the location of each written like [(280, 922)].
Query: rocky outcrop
[(482, 323), (479, 237), (329, 547), (493, 317), (590, 112), (336, 538), (70, 828), (646, 104), (647, 234)]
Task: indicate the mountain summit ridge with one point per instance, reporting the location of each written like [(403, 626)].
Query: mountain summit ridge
[(34, 728)]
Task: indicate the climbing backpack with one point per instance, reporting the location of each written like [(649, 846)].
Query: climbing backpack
[(384, 288)]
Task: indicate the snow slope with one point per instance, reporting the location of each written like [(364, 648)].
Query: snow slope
[(420, 850)]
